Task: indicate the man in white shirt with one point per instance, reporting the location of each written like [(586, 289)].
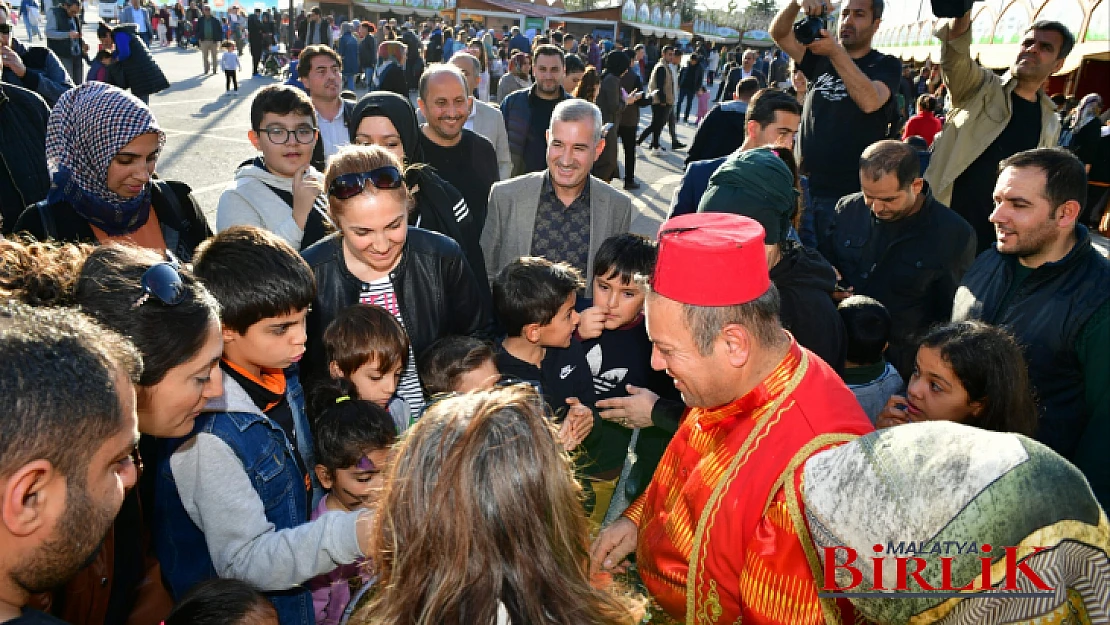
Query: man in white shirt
[(320, 69), (136, 14)]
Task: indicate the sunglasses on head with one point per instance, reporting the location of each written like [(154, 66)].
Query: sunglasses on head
[(349, 185), (163, 281)]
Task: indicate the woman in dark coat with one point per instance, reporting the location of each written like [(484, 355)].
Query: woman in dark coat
[(102, 185), (387, 119), (132, 66), (612, 101)]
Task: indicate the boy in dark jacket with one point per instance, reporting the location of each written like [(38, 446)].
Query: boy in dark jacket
[(234, 497), (534, 299), (618, 351)]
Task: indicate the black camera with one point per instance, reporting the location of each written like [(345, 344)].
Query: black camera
[(951, 8), (809, 30)]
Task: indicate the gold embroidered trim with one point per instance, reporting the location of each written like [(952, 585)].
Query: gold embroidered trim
[(738, 461), (828, 606)]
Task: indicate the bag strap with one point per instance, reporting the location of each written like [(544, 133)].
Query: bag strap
[(49, 226), (173, 203)]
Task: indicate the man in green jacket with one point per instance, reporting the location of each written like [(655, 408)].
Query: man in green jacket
[(992, 117)]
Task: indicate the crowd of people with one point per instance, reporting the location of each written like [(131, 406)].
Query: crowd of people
[(419, 370)]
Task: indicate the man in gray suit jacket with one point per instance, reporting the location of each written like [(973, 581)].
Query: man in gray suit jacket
[(562, 213)]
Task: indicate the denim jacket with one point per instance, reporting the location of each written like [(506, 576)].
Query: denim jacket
[(265, 454)]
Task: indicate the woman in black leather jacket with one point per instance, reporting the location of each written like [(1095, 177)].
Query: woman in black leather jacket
[(388, 120), (422, 277)]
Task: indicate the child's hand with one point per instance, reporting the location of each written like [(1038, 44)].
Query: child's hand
[(591, 322), (577, 424), (894, 413), (308, 184)]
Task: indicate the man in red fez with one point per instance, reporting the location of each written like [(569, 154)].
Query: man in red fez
[(718, 533)]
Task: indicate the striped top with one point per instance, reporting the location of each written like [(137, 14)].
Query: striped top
[(380, 293)]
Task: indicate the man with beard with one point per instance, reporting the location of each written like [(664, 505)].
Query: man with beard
[(527, 113), (563, 213), (896, 243), (70, 428), (320, 68), (849, 105), (992, 117), (1045, 283), (462, 157)]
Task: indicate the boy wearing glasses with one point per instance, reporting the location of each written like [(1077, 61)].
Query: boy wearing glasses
[(234, 497), (279, 190)]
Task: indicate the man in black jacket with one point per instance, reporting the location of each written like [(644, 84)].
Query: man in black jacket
[(745, 70), (759, 184), (367, 52), (24, 178), (254, 39), (1045, 283), (894, 242)]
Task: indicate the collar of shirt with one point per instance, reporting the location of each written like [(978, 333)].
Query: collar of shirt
[(469, 125), (548, 193)]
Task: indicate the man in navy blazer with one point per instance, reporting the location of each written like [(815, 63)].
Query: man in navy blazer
[(773, 118)]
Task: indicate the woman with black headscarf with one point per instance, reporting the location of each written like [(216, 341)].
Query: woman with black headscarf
[(611, 99), (386, 119)]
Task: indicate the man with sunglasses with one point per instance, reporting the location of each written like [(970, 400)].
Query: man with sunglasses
[(279, 190), (32, 67)]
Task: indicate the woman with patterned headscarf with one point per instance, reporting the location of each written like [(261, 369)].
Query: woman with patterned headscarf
[(390, 74), (103, 188), (518, 77)]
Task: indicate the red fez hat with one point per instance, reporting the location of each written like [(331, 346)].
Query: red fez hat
[(711, 259)]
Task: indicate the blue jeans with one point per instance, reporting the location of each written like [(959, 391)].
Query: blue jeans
[(349, 82), (816, 219)]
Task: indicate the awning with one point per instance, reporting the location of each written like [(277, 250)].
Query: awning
[(1000, 55), (526, 9), (659, 31), (399, 9)]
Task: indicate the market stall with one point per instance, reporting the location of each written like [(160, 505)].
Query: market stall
[(646, 21), (493, 14), (597, 22)]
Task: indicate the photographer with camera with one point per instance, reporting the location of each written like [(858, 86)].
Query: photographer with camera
[(850, 103), (992, 117)]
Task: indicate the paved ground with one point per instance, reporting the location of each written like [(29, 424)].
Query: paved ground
[(207, 136)]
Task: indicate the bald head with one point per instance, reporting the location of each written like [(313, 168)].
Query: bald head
[(470, 67)]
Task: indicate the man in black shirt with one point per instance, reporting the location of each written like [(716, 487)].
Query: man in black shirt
[(993, 117), (850, 103), (461, 157)]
